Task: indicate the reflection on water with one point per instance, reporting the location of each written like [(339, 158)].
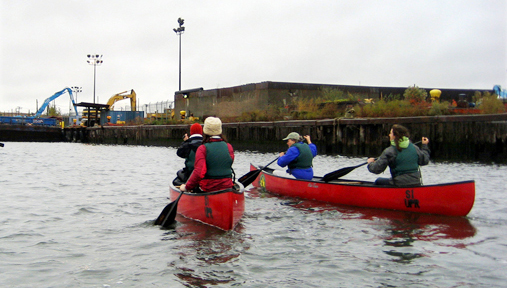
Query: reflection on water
[(401, 229), (424, 227), (202, 247), (91, 225)]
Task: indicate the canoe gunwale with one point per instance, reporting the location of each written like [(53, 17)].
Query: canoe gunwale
[(241, 190), (316, 179), (450, 199)]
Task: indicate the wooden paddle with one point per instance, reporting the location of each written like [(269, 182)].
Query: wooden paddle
[(249, 177), (344, 171), (168, 215)]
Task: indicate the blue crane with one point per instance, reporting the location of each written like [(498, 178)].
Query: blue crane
[(56, 95), (501, 93)]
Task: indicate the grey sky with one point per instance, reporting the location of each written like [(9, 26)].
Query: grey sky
[(432, 44)]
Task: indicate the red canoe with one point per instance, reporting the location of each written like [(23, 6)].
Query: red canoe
[(451, 199), (222, 209)]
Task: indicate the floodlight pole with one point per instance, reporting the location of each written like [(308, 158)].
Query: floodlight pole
[(94, 60), (178, 32), (76, 90)]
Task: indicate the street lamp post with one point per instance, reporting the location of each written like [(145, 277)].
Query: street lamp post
[(94, 60), (178, 32)]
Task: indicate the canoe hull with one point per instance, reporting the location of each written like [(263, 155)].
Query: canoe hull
[(451, 199), (222, 209)]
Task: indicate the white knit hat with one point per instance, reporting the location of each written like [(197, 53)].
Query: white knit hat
[(212, 126)]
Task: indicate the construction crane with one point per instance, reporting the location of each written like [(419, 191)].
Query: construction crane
[(56, 95), (121, 96), (115, 98)]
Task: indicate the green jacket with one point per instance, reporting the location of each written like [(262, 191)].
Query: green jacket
[(404, 164)]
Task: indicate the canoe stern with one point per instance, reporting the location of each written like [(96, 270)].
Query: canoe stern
[(222, 209)]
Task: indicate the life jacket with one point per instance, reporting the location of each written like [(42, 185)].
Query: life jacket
[(407, 161), (218, 160), (305, 158)]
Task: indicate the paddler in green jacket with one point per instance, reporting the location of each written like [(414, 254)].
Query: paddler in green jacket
[(403, 159), (213, 161)]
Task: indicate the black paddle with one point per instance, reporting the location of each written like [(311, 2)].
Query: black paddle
[(249, 177), (340, 173), (344, 171), (168, 215), (1, 144)]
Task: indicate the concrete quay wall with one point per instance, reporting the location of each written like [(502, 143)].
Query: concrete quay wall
[(455, 138)]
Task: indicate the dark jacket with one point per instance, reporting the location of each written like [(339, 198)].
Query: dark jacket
[(187, 150), (409, 176)]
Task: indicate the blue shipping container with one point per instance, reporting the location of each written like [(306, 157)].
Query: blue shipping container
[(125, 116)]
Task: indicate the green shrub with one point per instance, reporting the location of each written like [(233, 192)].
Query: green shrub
[(395, 108), (392, 97), (329, 94), (328, 111), (477, 96), (441, 108), (415, 94), (491, 105)]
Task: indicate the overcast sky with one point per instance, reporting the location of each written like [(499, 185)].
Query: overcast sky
[(432, 44)]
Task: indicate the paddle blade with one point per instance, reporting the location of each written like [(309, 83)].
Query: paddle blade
[(164, 214), (249, 177), (337, 174), (171, 217), (168, 215), (340, 173)]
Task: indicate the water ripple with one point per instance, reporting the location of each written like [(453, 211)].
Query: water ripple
[(74, 218)]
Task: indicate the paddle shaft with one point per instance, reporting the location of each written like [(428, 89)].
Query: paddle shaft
[(340, 172), (270, 163), (344, 171), (249, 177)]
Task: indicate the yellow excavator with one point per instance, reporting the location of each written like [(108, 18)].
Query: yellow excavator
[(113, 100), (121, 96)]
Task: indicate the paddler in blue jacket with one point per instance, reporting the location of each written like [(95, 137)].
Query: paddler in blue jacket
[(403, 159), (299, 156)]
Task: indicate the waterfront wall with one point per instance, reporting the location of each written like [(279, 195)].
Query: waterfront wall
[(32, 133), (461, 138)]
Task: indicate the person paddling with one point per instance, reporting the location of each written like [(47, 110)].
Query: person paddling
[(213, 161), (299, 156), (187, 150), (403, 159)]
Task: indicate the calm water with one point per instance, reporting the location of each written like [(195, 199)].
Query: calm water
[(77, 215)]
